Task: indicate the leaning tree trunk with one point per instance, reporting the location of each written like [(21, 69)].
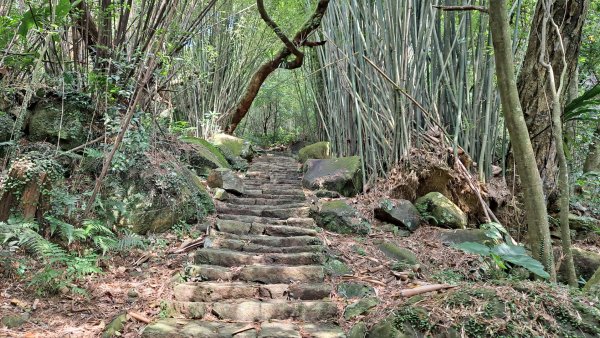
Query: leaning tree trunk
[(535, 208), (534, 92), (280, 60)]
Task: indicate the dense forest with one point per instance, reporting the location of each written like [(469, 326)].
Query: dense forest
[(286, 168)]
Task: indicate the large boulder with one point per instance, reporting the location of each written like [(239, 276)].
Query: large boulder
[(586, 263), (151, 199), (583, 223), (593, 284), (319, 151), (340, 217), (51, 121), (204, 156), (343, 175), (439, 210), (226, 179), (398, 212), (6, 126), (234, 146)]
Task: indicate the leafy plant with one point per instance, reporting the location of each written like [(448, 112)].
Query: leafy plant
[(501, 253)]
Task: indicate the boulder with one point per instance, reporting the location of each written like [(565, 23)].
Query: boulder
[(204, 156), (226, 179), (340, 217), (233, 144), (221, 194), (359, 330), (451, 237), (6, 126), (386, 328), (593, 283), (583, 223), (14, 321), (342, 175), (360, 307), (151, 199), (335, 267), (327, 194), (355, 290), (116, 326), (398, 212), (586, 264), (317, 151), (397, 253), (50, 121), (438, 209)]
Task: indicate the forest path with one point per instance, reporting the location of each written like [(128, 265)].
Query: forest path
[(260, 271)]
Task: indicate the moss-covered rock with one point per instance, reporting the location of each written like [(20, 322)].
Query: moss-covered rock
[(6, 126), (153, 198), (397, 253), (50, 121), (586, 263), (335, 267), (13, 321), (233, 144), (583, 223), (451, 237), (359, 330), (340, 217), (355, 290), (593, 283), (338, 174), (319, 151), (115, 328), (387, 328), (204, 156), (439, 210), (398, 212), (360, 307)]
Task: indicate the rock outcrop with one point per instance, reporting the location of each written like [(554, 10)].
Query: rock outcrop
[(342, 175)]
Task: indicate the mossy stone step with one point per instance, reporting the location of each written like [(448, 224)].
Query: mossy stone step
[(233, 200), (252, 311), (244, 246), (266, 274), (280, 213), (240, 225), (212, 292), (271, 241), (179, 328), (223, 257)]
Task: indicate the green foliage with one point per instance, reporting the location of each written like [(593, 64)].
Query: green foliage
[(586, 107), (500, 253)]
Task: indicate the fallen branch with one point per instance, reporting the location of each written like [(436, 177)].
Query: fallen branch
[(425, 289), (244, 329), (139, 317), (188, 246)]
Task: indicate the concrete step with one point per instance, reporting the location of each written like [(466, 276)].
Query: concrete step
[(224, 257), (266, 274), (212, 292)]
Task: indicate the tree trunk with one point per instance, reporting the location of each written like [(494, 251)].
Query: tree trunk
[(592, 162), (534, 93), (535, 208), (280, 60)]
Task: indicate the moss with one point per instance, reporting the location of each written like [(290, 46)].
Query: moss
[(441, 211), (400, 254), (360, 307), (340, 217), (51, 121), (6, 126), (233, 144), (342, 175), (208, 152), (414, 317), (319, 150)]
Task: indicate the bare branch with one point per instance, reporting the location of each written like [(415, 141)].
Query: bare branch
[(462, 8)]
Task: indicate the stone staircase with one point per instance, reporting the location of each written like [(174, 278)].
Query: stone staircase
[(260, 272)]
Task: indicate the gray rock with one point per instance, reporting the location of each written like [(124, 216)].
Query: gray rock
[(359, 330), (399, 212), (327, 194), (335, 268), (583, 223), (355, 290), (226, 179), (319, 150), (360, 307), (340, 217), (450, 237), (221, 194), (397, 253), (116, 325), (13, 321), (338, 174), (438, 209)]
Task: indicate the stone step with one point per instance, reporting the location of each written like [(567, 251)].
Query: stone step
[(266, 274), (247, 228), (212, 292), (243, 246), (179, 328), (233, 204), (276, 212), (273, 193), (264, 201), (270, 241), (224, 257), (245, 310)]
